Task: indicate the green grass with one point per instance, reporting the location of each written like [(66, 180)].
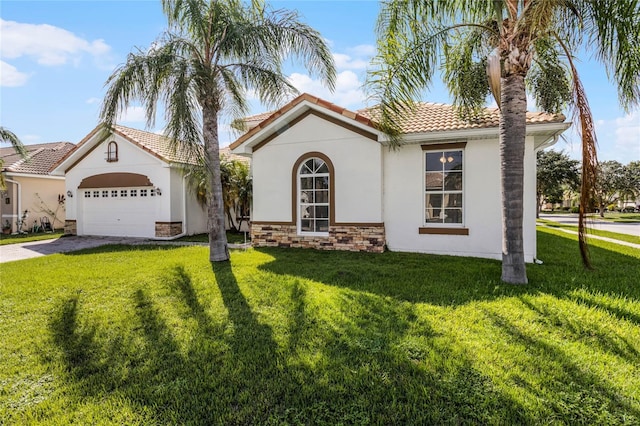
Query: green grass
[(598, 232), (232, 238), (24, 238), (620, 217), (284, 336)]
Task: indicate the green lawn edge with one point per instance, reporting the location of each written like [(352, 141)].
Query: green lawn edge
[(591, 231)]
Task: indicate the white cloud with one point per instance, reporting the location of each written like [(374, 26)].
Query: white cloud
[(92, 101), (49, 45), (627, 135), (363, 50), (134, 114), (348, 92), (618, 139), (10, 76), (347, 62)]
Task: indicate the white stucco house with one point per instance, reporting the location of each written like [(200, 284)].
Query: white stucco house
[(323, 177), (128, 182), (30, 186)]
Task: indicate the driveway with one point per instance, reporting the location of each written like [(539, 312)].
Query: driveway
[(11, 252), (572, 219)]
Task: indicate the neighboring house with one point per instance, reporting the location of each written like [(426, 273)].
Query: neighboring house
[(31, 187), (323, 177), (129, 182)]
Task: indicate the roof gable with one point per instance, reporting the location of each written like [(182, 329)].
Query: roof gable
[(154, 144), (279, 121)]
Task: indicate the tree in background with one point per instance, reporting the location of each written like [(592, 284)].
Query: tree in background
[(7, 136), (610, 184), (555, 173), (631, 183), (237, 188), (518, 44), (202, 67)]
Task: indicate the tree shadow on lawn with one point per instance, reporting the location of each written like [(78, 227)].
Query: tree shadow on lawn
[(563, 384), (452, 281), (233, 371)]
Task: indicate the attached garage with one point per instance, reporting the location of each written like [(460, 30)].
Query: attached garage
[(130, 183), (112, 204)]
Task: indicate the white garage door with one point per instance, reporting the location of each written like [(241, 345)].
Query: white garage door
[(125, 212)]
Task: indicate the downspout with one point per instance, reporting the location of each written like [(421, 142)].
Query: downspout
[(19, 191), (184, 213)]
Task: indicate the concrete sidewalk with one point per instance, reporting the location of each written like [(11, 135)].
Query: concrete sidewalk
[(20, 251), (591, 236)]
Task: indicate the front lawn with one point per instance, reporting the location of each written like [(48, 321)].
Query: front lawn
[(151, 335)]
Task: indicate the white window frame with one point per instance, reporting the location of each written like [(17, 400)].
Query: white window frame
[(299, 177), (442, 148)]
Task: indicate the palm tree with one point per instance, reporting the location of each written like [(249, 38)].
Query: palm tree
[(7, 136), (518, 45), (213, 52)]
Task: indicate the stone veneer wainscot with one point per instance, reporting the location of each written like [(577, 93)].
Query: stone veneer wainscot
[(341, 237), (168, 229)]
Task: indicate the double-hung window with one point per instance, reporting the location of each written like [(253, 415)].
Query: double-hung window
[(444, 183)]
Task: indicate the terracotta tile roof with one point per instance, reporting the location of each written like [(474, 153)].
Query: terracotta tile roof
[(428, 117), (271, 117), (160, 145), (226, 153), (433, 117), (41, 158)]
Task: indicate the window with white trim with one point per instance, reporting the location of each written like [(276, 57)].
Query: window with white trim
[(313, 197), (443, 194)]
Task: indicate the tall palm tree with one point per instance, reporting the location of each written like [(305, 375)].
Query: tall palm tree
[(517, 44), (213, 52), (7, 136)]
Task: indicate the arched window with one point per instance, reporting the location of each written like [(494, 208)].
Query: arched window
[(112, 152), (314, 196)]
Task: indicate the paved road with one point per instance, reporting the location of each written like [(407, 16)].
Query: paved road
[(572, 219)]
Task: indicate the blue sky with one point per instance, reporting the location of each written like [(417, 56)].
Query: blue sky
[(57, 55)]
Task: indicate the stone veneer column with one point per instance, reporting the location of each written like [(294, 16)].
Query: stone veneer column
[(70, 227), (342, 237)]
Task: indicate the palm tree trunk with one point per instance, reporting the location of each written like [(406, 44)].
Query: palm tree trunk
[(218, 249), (512, 143)]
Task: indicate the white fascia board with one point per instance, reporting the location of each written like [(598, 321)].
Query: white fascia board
[(553, 129), (274, 127), (33, 175)]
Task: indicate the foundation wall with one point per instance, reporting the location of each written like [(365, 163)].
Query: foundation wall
[(341, 237)]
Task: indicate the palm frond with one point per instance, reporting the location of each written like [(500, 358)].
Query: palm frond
[(549, 79)]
